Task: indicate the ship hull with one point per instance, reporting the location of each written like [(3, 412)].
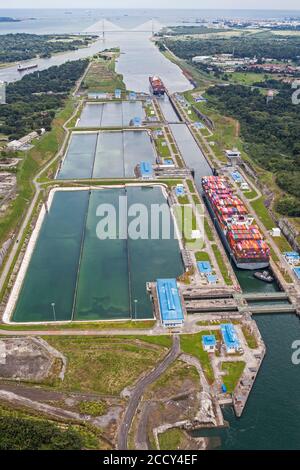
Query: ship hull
[(247, 265), (157, 87)]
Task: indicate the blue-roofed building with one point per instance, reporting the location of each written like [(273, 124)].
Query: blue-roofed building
[(179, 190), (171, 312), (146, 170), (132, 95), (212, 279), (209, 343), (168, 162), (199, 125), (136, 122), (204, 267), (118, 93), (237, 177), (292, 257), (230, 338), (297, 272)]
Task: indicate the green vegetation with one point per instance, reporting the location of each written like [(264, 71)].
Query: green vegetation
[(222, 265), (270, 132), (101, 76), (31, 103), (190, 186), (172, 439), (162, 147), (233, 371), (208, 230), (27, 430), (174, 376), (33, 434), (202, 256), (105, 364), (192, 344), (188, 30), (250, 194), (249, 337), (22, 46), (45, 148), (105, 325), (245, 45), (93, 408), (183, 199), (263, 213)]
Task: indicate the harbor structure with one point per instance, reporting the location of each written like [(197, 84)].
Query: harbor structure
[(171, 311)]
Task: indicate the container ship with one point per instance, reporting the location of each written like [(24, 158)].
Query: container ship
[(22, 68), (157, 86), (240, 235)]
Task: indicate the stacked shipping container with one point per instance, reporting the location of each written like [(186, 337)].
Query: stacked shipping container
[(244, 239)]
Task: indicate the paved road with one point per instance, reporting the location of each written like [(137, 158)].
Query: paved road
[(140, 389)]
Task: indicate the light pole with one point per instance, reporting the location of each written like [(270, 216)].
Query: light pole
[(53, 308), (135, 304)]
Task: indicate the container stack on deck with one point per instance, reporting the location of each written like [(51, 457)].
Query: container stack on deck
[(243, 237)]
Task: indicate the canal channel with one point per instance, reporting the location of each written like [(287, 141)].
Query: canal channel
[(272, 414)]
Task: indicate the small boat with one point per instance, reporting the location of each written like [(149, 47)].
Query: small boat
[(264, 276), (21, 68)]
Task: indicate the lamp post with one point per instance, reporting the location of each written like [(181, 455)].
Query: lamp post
[(53, 308), (135, 306)]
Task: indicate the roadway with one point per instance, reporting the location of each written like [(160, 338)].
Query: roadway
[(139, 389)]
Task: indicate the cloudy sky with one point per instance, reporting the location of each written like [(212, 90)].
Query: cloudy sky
[(209, 4)]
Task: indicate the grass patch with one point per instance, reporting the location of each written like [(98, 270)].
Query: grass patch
[(102, 77), (233, 371), (250, 338), (93, 408), (263, 213), (104, 365), (282, 243), (202, 256), (250, 194), (190, 186), (128, 325), (222, 265), (162, 147), (175, 375), (183, 199), (208, 230), (192, 344), (172, 439)]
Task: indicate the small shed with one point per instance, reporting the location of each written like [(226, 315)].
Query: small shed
[(209, 343)]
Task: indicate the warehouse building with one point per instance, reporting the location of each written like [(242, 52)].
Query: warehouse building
[(230, 338), (171, 312)]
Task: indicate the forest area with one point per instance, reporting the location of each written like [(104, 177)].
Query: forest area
[(31, 103), (262, 46), (270, 132), (23, 46)]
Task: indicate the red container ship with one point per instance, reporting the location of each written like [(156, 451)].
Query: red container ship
[(157, 86), (240, 235)]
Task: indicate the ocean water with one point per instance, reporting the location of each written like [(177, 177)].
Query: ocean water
[(67, 20)]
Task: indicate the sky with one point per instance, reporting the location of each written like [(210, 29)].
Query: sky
[(197, 4)]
